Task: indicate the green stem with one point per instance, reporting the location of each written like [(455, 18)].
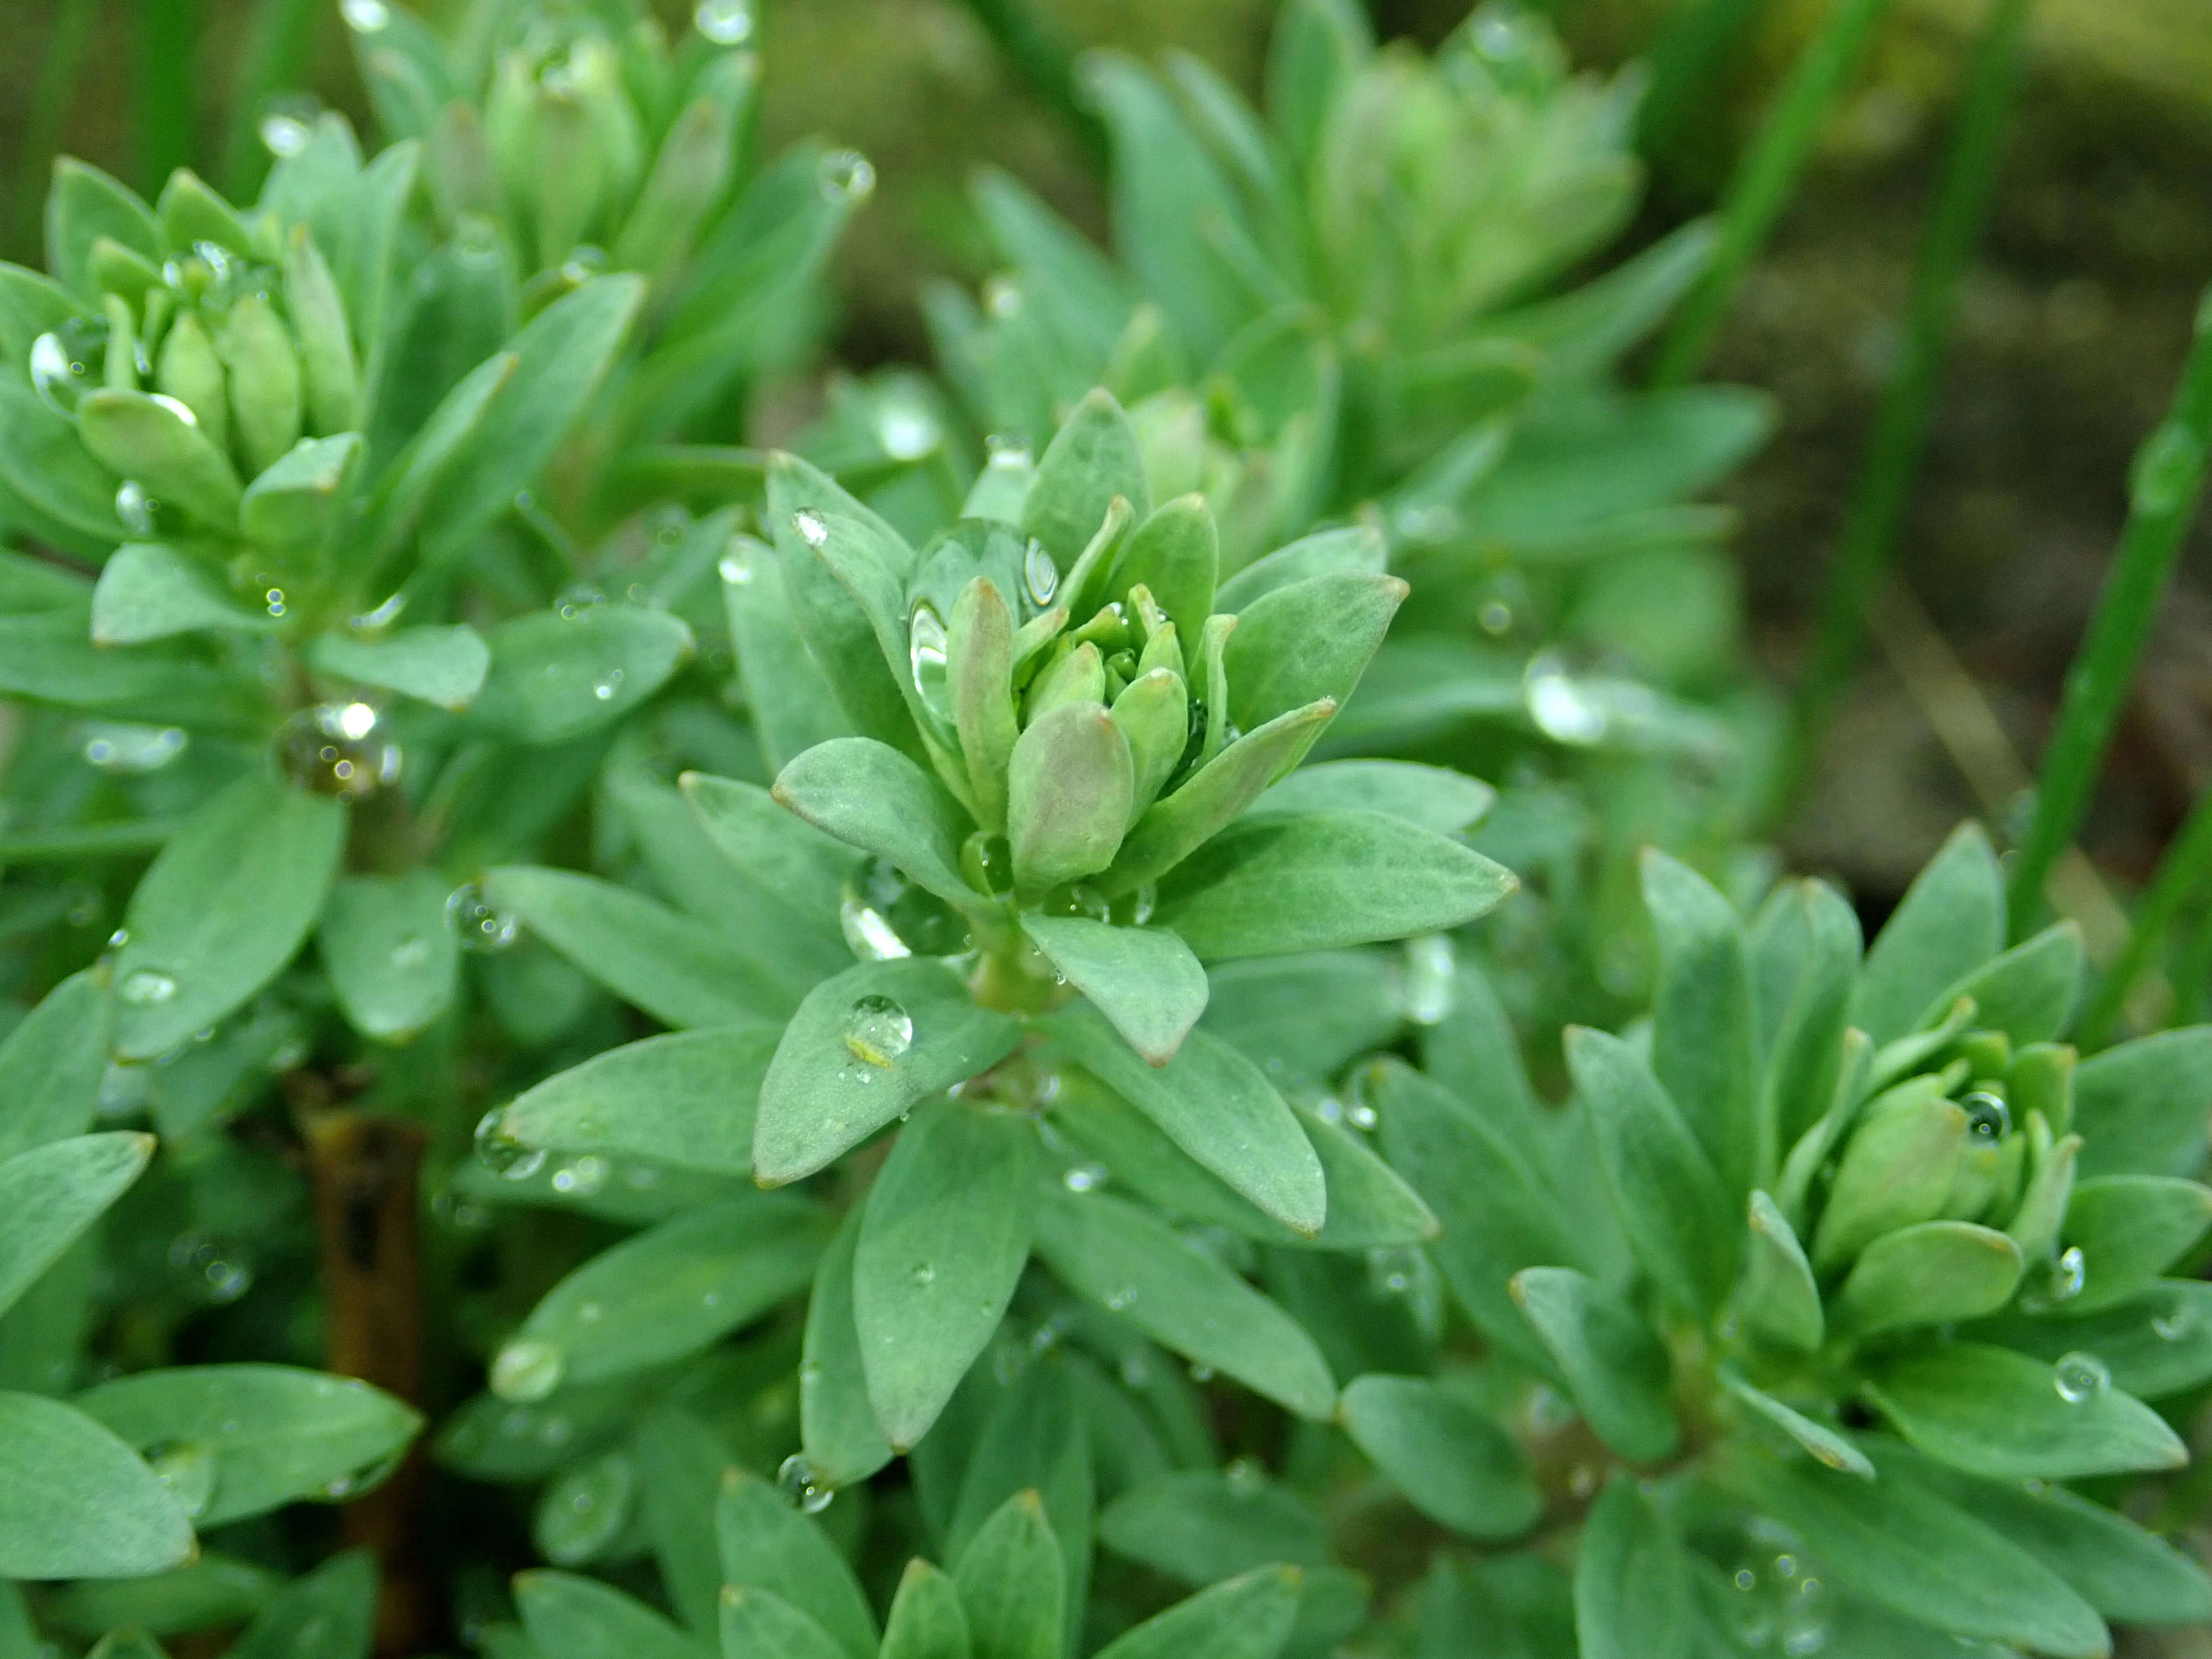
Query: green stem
[(2163, 487), (2183, 871), (168, 48), (67, 42), (1763, 182), (280, 44), (1684, 62), (1043, 59), (1900, 432)]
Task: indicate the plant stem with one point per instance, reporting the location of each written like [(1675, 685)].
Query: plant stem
[(1764, 180), (67, 41), (1900, 432), (2183, 872), (2163, 487), (1043, 59), (168, 50), (1683, 62), (279, 46)]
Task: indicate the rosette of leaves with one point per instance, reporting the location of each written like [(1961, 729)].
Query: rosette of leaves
[(1356, 305), (1038, 777), (1882, 1269), (566, 140)]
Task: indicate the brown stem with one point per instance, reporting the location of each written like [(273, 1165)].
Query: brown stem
[(365, 1171)]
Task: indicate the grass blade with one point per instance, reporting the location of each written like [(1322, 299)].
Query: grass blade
[(2163, 487), (2185, 873), (168, 56), (1688, 56), (1765, 178)]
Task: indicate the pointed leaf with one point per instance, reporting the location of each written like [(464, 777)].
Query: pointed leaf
[(1827, 1447), (1702, 1048), (765, 1545), (926, 1620), (333, 1610), (2028, 992), (1143, 980), (1012, 1583), (684, 1100), (1308, 641), (136, 435), (392, 960), (1454, 1463), (1615, 1366), (1780, 1300), (838, 1431), (1091, 459), (1432, 797), (2142, 1106), (1950, 920), (1247, 1617), (793, 706), (1992, 1411), (2129, 1228), (442, 665), (1176, 826), (870, 796), (758, 1624), (1932, 1274), (570, 1617), (50, 1194), (76, 1502), (52, 1063), (1176, 553), (1631, 1581), (149, 592)]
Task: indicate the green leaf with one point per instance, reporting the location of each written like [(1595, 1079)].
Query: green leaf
[(1994, 1412), (1896, 1171), (395, 506), (1304, 1018), (666, 1292), (680, 1465), (149, 592), (138, 436), (1173, 828), (295, 503), (838, 1431), (1201, 1525), (2130, 1229), (945, 1239), (685, 1099), (222, 911), (870, 796), (2141, 1107), (783, 857), (1071, 787), (757, 1624), (1826, 1446), (391, 959), (443, 665), (1093, 458), (2155, 1343), (76, 1502), (84, 205), (1932, 1274), (2028, 992), (570, 1617), (1270, 885), (276, 1433), (553, 678), (1780, 1300), (765, 1545), (1615, 1366), (680, 970), (1430, 797), (1034, 1439), (1247, 1617), (793, 706), (1218, 1107), (561, 357), (1370, 1206), (1454, 1463), (1176, 553), (1631, 1581), (1702, 1042), (1013, 1583), (979, 652), (1805, 960), (1907, 1550), (1308, 641), (50, 1194), (1140, 1268), (331, 1611), (48, 468), (874, 1041), (1143, 980), (926, 1620), (1950, 922), (1670, 1202), (52, 1063)]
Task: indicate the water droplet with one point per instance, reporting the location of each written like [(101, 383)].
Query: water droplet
[(924, 1274), (1390, 1271), (1040, 575), (726, 22), (132, 751), (2061, 1281), (878, 1031), (813, 529), (135, 507), (606, 687), (740, 566), (1988, 1118), (2080, 1377), (146, 987), (365, 16), (906, 430), (1083, 1177), (1141, 903), (1561, 709), (1495, 617), (1431, 980), (188, 1469), (802, 1488), (1360, 1115), (1120, 1297), (2172, 1327), (585, 1508), (382, 617), (476, 923), (334, 748), (501, 1152), (526, 1371), (582, 1178), (1005, 451), (846, 176), (66, 362), (1201, 1373), (871, 937), (1002, 298), (926, 649)]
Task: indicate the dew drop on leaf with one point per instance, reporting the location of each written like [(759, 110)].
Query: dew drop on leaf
[(502, 1154), (878, 1031), (1084, 1178), (847, 177), (2080, 1377), (926, 649), (726, 22), (802, 1488), (1431, 979), (366, 16), (582, 1177), (475, 923), (147, 987), (1040, 575), (1988, 1118), (526, 1371), (188, 1469)]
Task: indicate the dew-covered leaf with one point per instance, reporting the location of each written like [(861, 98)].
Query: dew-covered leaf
[(391, 959), (554, 679), (570, 1617), (50, 1194), (51, 1065), (1992, 1411), (766, 1545), (684, 1099)]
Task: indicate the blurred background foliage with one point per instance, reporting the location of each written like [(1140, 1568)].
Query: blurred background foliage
[(2073, 313)]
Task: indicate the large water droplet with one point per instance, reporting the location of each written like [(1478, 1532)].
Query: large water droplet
[(501, 1152), (146, 987), (926, 649), (906, 430), (476, 924), (336, 748), (813, 529), (801, 1487), (188, 1469), (1988, 1117), (366, 16), (1040, 575), (527, 1369), (210, 1270), (846, 176), (66, 362), (867, 931), (1561, 709), (740, 565), (726, 22), (135, 507), (2080, 1377), (878, 1031)]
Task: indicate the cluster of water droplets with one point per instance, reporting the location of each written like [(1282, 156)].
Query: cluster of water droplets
[(337, 749), (132, 751), (1783, 1607)]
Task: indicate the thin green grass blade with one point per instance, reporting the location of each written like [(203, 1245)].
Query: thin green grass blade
[(2185, 873), (2163, 488), (1685, 60), (168, 57), (280, 45), (69, 40), (1766, 178)]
